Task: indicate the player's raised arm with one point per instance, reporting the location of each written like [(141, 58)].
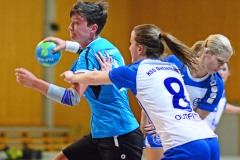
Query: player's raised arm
[(69, 46)]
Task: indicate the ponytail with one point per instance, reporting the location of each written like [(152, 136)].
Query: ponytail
[(182, 52)]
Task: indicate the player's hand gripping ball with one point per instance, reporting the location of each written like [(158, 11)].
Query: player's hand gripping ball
[(44, 54)]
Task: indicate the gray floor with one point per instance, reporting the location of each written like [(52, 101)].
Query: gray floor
[(230, 158), (50, 156)]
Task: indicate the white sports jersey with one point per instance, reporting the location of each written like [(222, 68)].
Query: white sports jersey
[(214, 117), (205, 92), (161, 93)]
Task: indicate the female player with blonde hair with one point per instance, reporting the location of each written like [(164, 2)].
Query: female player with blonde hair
[(214, 117), (205, 86)]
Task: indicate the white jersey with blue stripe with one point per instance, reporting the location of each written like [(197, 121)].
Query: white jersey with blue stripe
[(214, 117), (161, 93), (205, 92)]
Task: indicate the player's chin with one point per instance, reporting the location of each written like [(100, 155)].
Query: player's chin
[(72, 36), (212, 71)]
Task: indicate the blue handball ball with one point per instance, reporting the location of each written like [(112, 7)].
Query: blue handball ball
[(45, 56)]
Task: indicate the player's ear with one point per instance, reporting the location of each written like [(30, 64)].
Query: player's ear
[(206, 50), (94, 28), (141, 49)]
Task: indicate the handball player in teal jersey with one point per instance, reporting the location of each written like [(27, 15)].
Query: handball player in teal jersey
[(115, 133)]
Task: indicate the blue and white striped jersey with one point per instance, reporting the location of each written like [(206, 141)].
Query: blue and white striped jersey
[(205, 92), (214, 117)]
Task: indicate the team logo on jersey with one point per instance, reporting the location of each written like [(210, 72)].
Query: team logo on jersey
[(156, 139), (196, 102)]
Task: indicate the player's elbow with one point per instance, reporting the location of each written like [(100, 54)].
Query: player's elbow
[(75, 102)]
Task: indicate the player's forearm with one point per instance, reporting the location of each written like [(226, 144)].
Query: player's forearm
[(202, 113), (143, 119), (232, 109), (92, 78), (41, 86)]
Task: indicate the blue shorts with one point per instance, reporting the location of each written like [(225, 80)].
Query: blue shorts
[(152, 141), (205, 149)]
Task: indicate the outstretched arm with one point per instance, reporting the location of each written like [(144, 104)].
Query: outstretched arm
[(28, 79), (68, 96), (232, 109), (90, 78)]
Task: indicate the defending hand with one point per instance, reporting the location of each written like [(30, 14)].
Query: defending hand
[(106, 65), (67, 75)]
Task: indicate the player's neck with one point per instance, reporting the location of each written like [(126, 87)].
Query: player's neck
[(86, 43), (201, 73)]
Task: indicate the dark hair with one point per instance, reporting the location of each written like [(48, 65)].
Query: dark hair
[(93, 12), (151, 37)]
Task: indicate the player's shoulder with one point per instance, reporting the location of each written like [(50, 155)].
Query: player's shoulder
[(133, 66), (128, 69), (173, 59), (219, 81), (100, 42), (218, 78)]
